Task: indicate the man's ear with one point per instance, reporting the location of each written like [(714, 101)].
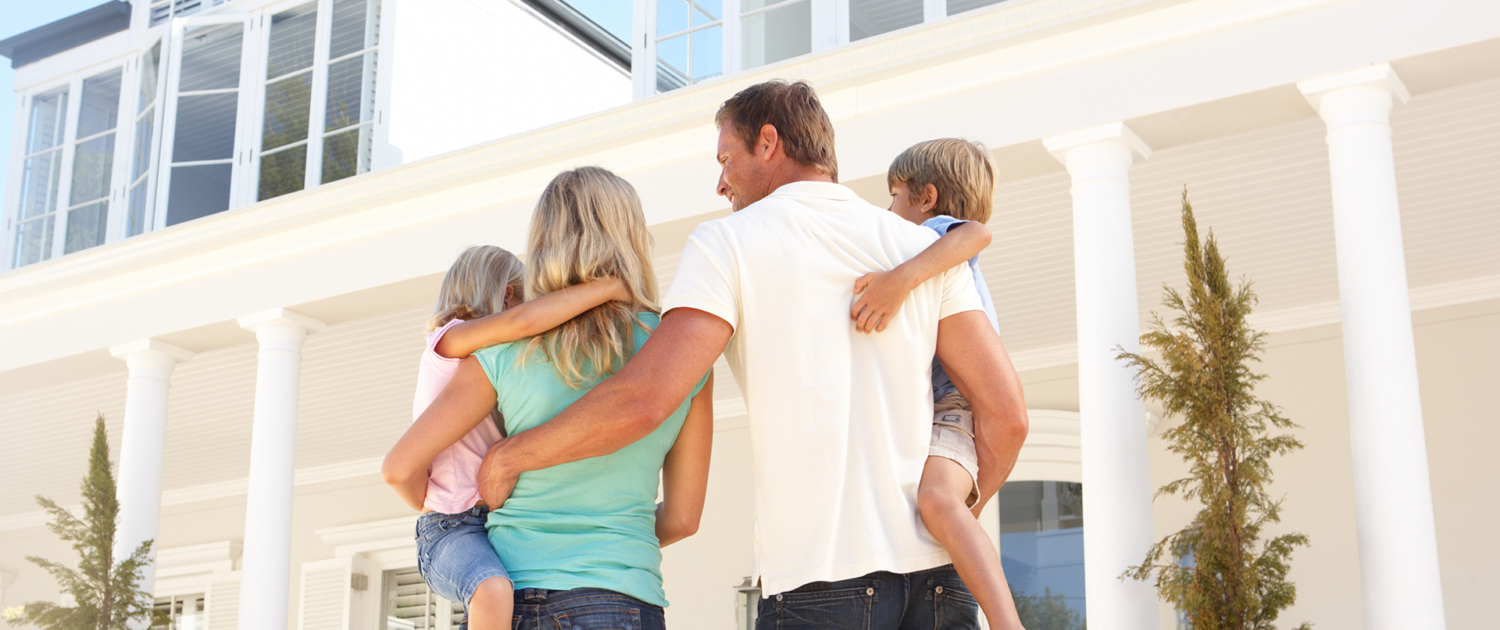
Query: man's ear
[(767, 143), (929, 197)]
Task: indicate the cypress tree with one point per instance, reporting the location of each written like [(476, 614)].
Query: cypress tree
[(1219, 575), (107, 594)]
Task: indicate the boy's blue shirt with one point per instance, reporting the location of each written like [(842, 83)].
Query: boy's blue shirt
[(941, 384)]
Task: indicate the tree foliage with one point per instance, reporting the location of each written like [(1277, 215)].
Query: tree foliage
[(1204, 377), (106, 593), (1048, 611)]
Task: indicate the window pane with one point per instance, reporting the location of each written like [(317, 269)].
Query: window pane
[(671, 16), (1041, 551), (873, 17), (672, 63), (144, 127), (92, 164), (205, 127), (198, 191), (135, 217), (46, 130), (86, 227), (705, 11), (346, 154), (407, 602), (283, 172), (39, 184), (150, 67), (287, 103), (351, 92), (708, 53), (781, 33), (354, 26), (292, 40), (33, 241), (211, 57), (959, 6), (100, 109)]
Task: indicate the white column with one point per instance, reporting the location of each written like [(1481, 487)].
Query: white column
[(273, 440), (1116, 472), (142, 446), (1392, 493)]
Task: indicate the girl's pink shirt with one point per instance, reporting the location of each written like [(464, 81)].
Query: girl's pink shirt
[(453, 480)]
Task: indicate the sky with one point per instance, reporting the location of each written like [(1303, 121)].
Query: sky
[(19, 16)]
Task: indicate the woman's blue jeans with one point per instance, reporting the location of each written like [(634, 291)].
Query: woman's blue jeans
[(584, 609)]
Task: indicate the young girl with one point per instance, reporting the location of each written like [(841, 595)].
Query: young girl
[(478, 306)]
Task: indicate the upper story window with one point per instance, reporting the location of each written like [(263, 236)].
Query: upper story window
[(226, 109), (682, 42)]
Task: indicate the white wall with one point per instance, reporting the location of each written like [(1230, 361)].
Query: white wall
[(469, 71)]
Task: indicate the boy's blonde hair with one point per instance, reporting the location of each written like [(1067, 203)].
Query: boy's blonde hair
[(962, 171), (475, 285), (589, 225)]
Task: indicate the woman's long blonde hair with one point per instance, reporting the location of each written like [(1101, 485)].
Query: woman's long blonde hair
[(589, 225), (475, 285)]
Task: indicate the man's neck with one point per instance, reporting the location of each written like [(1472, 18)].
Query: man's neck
[(793, 172)]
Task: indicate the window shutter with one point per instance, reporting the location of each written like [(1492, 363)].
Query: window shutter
[(328, 600), (223, 602)]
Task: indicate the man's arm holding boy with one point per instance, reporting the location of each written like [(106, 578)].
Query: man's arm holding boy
[(975, 359)]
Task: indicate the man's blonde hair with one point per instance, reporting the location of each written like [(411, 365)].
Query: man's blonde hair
[(475, 285), (589, 225), (962, 172)]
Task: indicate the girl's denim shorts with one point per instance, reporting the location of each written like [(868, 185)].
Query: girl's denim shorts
[(454, 553)]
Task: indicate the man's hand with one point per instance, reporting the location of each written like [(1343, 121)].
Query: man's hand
[(879, 295), (495, 483)]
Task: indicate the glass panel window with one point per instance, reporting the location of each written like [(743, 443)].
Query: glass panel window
[(348, 116), (145, 129), (93, 161), (41, 172), (207, 113), (288, 102), (185, 612), (690, 42), (868, 18), (956, 7), (1041, 551), (775, 31)]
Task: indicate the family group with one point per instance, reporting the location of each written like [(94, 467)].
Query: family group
[(556, 401)]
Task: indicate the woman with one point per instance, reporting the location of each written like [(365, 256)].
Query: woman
[(583, 540)]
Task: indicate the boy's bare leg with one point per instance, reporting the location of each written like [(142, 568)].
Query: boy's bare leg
[(492, 605), (940, 499)]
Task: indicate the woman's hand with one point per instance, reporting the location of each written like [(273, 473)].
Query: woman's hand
[(880, 295)]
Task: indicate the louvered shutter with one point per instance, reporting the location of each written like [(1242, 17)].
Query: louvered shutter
[(410, 604), (328, 600), (223, 602)]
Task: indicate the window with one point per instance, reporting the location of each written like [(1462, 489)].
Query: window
[(690, 42), (868, 18), (775, 30), (163, 10), (141, 156), (41, 170), (407, 604), (350, 111), (185, 612), (1041, 551)]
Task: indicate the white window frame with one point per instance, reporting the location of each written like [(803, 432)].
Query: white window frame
[(119, 213)]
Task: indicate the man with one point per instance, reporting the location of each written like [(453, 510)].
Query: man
[(839, 421)]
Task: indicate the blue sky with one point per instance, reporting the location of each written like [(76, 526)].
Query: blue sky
[(19, 16)]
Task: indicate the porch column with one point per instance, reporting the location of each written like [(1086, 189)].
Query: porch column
[(1116, 472), (142, 445), (273, 441), (1398, 556)]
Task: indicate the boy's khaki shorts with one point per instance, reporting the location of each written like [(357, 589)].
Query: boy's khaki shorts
[(953, 438)]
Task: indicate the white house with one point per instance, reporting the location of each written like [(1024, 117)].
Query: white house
[(225, 222)]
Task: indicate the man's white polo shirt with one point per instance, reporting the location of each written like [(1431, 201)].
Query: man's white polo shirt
[(839, 421)]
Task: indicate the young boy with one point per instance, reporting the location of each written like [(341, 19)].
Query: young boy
[(946, 185)]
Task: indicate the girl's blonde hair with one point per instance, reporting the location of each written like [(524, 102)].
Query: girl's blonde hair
[(475, 285), (589, 225)]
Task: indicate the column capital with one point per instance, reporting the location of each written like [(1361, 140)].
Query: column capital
[(148, 344), (1380, 76), (283, 317), (1116, 133)]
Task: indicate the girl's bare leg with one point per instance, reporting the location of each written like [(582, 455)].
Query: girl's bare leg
[(940, 499), (492, 605)]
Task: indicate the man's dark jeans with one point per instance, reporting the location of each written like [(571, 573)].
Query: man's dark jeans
[(934, 599)]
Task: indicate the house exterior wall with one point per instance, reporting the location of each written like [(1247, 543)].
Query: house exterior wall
[(1209, 84)]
